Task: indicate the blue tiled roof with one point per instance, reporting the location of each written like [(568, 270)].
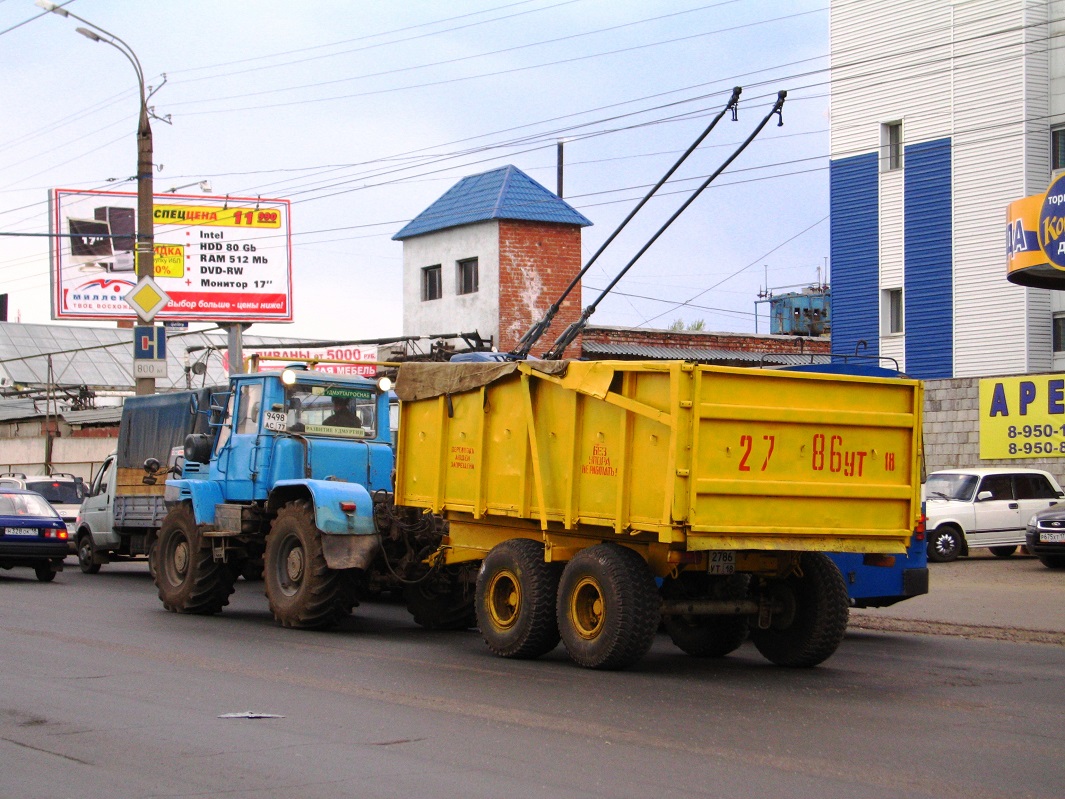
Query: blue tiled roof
[(505, 193)]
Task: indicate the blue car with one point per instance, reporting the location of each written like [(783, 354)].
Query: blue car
[(32, 534)]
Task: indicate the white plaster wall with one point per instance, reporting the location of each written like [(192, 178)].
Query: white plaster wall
[(452, 313)]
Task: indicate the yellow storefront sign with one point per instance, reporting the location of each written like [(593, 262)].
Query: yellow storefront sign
[(1022, 417)]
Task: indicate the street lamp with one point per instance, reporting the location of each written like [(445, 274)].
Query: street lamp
[(205, 187), (145, 263)]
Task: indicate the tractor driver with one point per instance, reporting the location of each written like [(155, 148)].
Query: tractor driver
[(343, 415)]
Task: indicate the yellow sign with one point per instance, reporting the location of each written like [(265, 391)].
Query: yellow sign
[(169, 260), (1022, 417), (213, 215), (146, 298)]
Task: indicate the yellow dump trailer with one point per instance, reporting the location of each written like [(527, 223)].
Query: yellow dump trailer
[(578, 483)]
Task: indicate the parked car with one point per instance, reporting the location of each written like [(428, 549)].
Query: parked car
[(32, 533), (1045, 537), (969, 508), (64, 491)]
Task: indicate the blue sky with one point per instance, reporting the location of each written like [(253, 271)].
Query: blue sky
[(363, 113)]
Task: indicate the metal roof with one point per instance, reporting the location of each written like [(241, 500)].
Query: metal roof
[(622, 350), (111, 415), (505, 193), (102, 358)]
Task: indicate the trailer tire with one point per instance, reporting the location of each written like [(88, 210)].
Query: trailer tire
[(814, 621), (187, 576), (443, 601), (608, 607), (705, 636), (515, 600), (303, 592)]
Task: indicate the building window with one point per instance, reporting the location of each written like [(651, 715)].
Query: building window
[(890, 146), (1057, 149), (1059, 333), (467, 276), (891, 316), (432, 286)]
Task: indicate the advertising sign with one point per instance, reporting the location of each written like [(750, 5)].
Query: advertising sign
[(1035, 239), (275, 358), (216, 258), (1022, 417)]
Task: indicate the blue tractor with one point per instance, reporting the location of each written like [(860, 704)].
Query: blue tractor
[(296, 474)]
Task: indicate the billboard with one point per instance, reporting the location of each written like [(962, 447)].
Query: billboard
[(218, 258), (274, 359), (1022, 417)]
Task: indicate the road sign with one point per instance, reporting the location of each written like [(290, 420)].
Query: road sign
[(146, 298), (149, 351)]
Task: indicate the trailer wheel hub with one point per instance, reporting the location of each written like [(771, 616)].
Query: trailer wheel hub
[(504, 599), (586, 609)]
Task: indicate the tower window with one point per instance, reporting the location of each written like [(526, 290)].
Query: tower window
[(432, 287)]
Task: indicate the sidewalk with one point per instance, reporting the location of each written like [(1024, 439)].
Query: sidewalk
[(1014, 598)]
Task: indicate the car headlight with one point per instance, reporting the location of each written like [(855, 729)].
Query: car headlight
[(1032, 520)]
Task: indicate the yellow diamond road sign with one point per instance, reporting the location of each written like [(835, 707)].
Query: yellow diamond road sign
[(146, 298)]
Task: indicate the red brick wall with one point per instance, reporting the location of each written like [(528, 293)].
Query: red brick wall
[(537, 260)]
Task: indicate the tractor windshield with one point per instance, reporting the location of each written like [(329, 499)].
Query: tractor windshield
[(331, 411)]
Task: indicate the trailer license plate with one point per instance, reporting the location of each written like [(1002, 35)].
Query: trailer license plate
[(1052, 538), (722, 563), (23, 531)]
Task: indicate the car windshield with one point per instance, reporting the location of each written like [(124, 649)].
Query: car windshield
[(951, 486), (331, 411), (25, 505), (58, 492)]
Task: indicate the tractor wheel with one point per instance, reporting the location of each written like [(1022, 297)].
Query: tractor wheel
[(188, 578), (813, 620), (303, 591), (608, 607), (515, 600), (705, 636), (442, 601)]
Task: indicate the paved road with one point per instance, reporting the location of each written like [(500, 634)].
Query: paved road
[(104, 694)]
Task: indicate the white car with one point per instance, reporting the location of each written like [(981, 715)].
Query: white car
[(968, 508)]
